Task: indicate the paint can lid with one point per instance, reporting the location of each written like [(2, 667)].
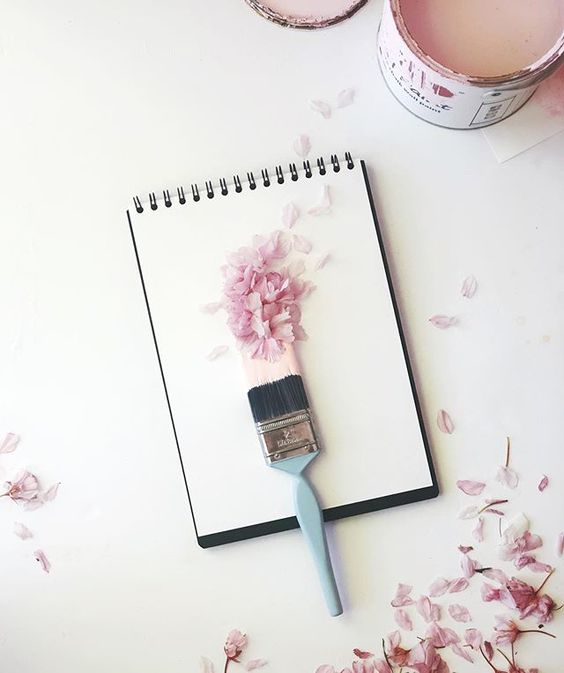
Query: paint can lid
[(308, 14)]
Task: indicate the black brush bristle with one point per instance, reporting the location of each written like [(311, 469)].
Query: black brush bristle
[(278, 398)]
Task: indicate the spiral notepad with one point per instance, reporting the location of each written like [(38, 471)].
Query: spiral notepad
[(374, 451)]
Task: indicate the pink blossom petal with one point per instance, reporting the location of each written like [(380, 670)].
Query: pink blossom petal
[(302, 145), (457, 585), (464, 549), (423, 607), (543, 483), (402, 596), (234, 643), (444, 422), (42, 560), (403, 620), (443, 321), (440, 636), (516, 527), (10, 443), (490, 593), (524, 560), (380, 666), (24, 488), (470, 487), (403, 589), (323, 205), (469, 512), (296, 268), (473, 638), (468, 566), (489, 649), (322, 107), (211, 308), (345, 98), (22, 531), (507, 476), (560, 544), (301, 244), (439, 587), (461, 652), (255, 663), (393, 640), (206, 665), (478, 532), (51, 493), (32, 505), (362, 654), (496, 575), (491, 510), (321, 261), (217, 352), (400, 601), (459, 613), (290, 215), (325, 668), (538, 567), (469, 287)]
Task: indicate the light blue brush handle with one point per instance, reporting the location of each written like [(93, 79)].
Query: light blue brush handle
[(310, 518)]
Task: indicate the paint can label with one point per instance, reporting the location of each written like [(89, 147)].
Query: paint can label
[(438, 99)]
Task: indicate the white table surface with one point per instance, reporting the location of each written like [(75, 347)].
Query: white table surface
[(104, 100)]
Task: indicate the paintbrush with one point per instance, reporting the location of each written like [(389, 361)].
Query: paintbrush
[(284, 424)]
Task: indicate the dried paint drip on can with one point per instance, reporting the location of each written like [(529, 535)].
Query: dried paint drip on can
[(466, 64)]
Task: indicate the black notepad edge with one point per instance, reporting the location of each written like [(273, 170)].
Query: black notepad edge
[(331, 513)]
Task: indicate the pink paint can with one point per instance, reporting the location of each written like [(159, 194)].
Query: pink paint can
[(467, 64)]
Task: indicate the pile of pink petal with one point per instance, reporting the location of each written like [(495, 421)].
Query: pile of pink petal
[(263, 297), (25, 490), (527, 608)]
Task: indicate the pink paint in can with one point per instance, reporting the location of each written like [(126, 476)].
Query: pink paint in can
[(468, 64)]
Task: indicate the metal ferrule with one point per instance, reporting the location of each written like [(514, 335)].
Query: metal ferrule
[(287, 436)]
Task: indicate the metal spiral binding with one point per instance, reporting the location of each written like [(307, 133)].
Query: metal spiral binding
[(251, 182)]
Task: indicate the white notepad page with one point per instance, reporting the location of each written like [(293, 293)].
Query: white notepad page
[(352, 363)]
